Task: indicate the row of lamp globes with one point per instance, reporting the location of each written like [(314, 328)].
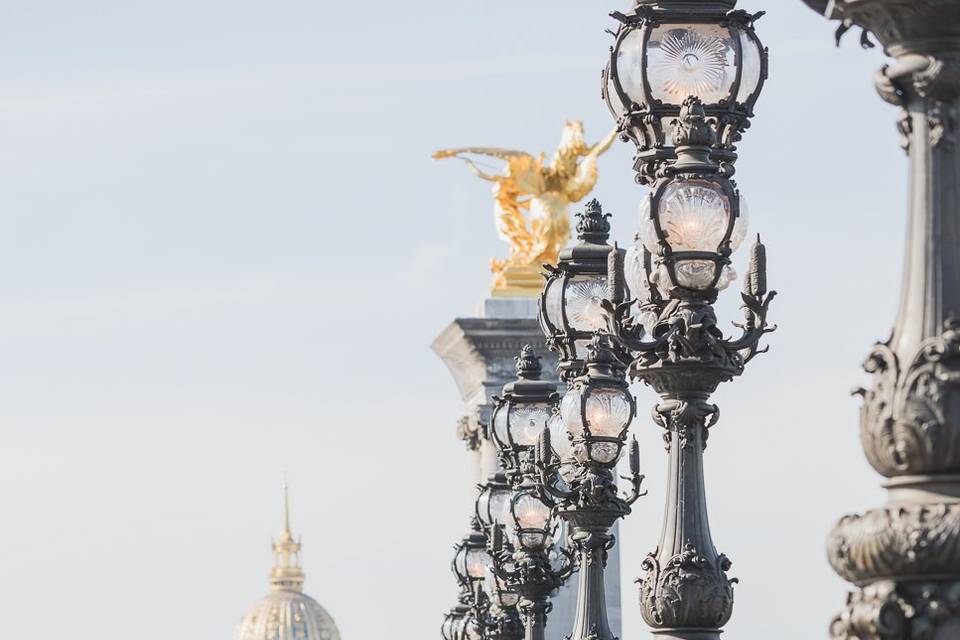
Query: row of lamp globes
[(508, 502), (673, 66), (588, 427)]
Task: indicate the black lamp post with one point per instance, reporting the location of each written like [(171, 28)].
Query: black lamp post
[(683, 355), (683, 78), (512, 503), (596, 412), (485, 611)]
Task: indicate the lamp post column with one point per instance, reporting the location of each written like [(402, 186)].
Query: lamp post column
[(904, 557), (685, 593), (591, 534)]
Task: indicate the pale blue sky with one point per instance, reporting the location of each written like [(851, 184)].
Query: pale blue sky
[(225, 250)]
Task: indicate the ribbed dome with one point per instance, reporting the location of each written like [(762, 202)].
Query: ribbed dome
[(287, 613)]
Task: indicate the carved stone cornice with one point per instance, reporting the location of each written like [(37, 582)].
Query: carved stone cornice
[(910, 419), (894, 542)]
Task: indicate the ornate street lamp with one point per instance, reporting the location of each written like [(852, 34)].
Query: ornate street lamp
[(570, 309), (522, 563), (493, 502), (522, 412), (455, 623), (682, 82), (667, 51), (596, 411), (693, 222), (485, 611)]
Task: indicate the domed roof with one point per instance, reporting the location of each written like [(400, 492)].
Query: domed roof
[(287, 613)]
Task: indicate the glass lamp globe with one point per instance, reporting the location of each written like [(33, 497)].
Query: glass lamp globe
[(493, 503), (598, 408), (693, 217), (667, 63), (690, 60), (521, 414), (521, 424), (531, 519), (570, 310), (659, 61), (478, 562), (608, 412)]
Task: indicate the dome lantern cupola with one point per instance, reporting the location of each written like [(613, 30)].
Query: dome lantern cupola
[(286, 613)]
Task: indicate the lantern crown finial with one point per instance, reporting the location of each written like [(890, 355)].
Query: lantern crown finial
[(528, 364), (592, 225)]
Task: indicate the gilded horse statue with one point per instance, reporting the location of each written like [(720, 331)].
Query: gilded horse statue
[(530, 187)]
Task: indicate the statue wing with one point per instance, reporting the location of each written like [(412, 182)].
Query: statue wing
[(491, 152), (585, 178)]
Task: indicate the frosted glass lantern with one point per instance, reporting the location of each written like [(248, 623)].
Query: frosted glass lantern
[(531, 520), (583, 297), (478, 563), (608, 412), (521, 414), (598, 408), (692, 233), (658, 61), (493, 503), (570, 310), (472, 560)]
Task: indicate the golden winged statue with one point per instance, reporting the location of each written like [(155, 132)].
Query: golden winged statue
[(532, 188)]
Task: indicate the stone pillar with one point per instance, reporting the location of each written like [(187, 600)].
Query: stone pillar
[(480, 354), (904, 557)]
